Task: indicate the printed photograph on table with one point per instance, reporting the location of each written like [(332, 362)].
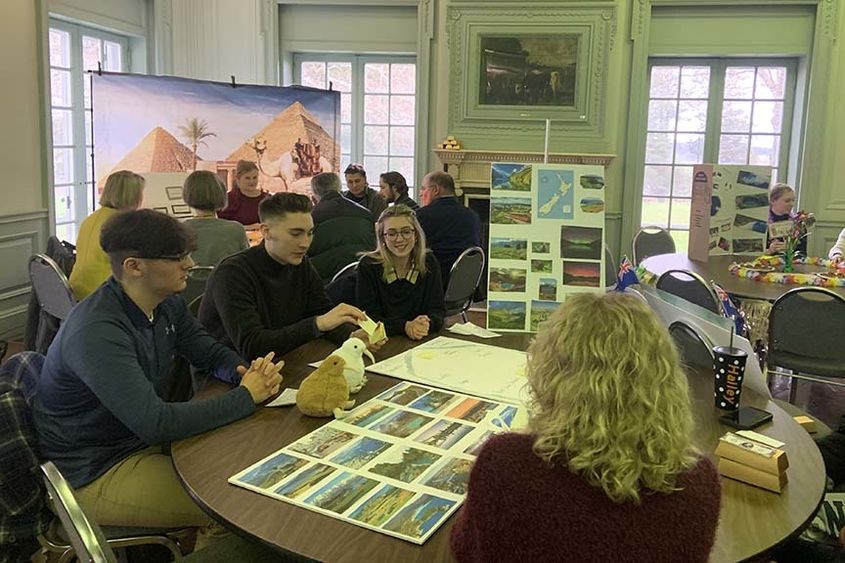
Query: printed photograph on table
[(444, 434), (505, 418), (506, 315), (582, 274), (323, 442), (268, 473), (378, 509), (555, 196), (507, 279), (548, 289), (451, 477), (432, 401), (472, 410), (401, 424), (510, 211), (341, 492), (361, 453), (502, 248), (510, 177), (581, 243), (421, 516), (541, 266), (403, 394), (404, 463), (540, 247), (541, 311), (304, 480), (366, 414), (475, 447)]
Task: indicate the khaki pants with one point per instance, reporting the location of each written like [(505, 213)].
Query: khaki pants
[(144, 491)]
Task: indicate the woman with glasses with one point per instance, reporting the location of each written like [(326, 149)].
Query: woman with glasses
[(399, 283)]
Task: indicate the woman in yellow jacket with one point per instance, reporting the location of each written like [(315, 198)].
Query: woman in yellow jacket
[(123, 192)]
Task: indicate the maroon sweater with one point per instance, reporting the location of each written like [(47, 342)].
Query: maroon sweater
[(241, 208), (518, 508)]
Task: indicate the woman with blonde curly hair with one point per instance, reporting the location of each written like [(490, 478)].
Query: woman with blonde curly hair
[(607, 471)]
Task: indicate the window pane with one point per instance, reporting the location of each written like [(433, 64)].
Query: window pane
[(695, 82), (90, 52), (736, 117), (662, 115), (768, 117), (376, 78), (739, 82), (764, 150), (376, 109), (658, 148), (346, 108), (345, 160), (62, 166), (680, 213), (682, 181), (692, 115), (345, 138), (88, 125), (404, 166), (681, 239), (340, 75), (689, 148), (62, 127), (66, 232), (655, 212), (375, 140), (64, 203), (89, 171), (377, 165), (59, 48), (113, 56), (86, 90), (402, 110), (60, 87), (657, 180), (774, 175), (771, 83), (733, 149), (402, 141), (403, 78), (313, 74), (664, 82)]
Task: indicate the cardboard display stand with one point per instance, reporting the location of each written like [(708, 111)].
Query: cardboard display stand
[(730, 210), (546, 240)]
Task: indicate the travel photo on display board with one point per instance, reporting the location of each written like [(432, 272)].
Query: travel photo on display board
[(546, 242), (398, 464)]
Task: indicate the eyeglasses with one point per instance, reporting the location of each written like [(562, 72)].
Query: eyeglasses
[(176, 258), (405, 233)]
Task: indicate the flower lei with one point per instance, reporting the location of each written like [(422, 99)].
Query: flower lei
[(748, 270)]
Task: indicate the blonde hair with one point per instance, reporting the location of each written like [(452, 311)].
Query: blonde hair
[(608, 396), (383, 255), (124, 190), (778, 191)]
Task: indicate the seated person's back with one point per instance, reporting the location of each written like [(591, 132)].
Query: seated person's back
[(606, 470)]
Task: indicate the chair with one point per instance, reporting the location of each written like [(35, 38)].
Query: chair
[(651, 241), (695, 349), (806, 325), (343, 285), (690, 287), (195, 284), (611, 267), (463, 280), (347, 270), (51, 286)]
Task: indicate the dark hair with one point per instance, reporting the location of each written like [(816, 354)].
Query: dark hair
[(279, 204), (356, 169), (443, 180), (144, 234), (204, 190), (396, 181)]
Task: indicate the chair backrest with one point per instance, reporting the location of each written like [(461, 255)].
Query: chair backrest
[(51, 286), (463, 280), (694, 348), (690, 287), (611, 268), (651, 241), (85, 535), (347, 270), (808, 322), (196, 282)]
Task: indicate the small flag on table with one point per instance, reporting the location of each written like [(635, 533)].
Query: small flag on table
[(627, 276), (730, 310)]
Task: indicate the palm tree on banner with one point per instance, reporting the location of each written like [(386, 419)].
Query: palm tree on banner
[(194, 131)]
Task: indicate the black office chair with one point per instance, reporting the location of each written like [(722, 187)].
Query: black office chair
[(611, 268), (463, 281), (651, 241), (343, 285), (196, 282), (690, 287), (695, 349), (51, 286), (806, 327)]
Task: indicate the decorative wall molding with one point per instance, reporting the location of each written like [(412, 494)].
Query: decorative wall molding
[(21, 236)]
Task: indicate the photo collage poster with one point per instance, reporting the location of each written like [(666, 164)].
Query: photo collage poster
[(730, 210), (546, 240), (398, 464)]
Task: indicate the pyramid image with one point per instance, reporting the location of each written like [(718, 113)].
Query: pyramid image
[(158, 151), (281, 134)]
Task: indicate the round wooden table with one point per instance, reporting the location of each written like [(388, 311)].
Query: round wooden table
[(752, 520), (716, 269)]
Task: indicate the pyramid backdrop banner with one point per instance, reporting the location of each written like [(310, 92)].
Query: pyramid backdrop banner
[(167, 126)]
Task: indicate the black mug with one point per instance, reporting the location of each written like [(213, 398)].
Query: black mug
[(729, 371)]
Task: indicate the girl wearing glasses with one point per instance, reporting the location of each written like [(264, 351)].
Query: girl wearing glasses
[(399, 283)]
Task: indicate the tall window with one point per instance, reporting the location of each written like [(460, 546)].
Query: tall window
[(73, 50), (715, 110), (377, 108)]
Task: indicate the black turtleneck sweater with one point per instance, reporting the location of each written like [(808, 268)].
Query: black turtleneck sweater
[(255, 304)]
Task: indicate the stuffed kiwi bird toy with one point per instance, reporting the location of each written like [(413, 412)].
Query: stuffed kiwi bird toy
[(352, 353), (325, 392)]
